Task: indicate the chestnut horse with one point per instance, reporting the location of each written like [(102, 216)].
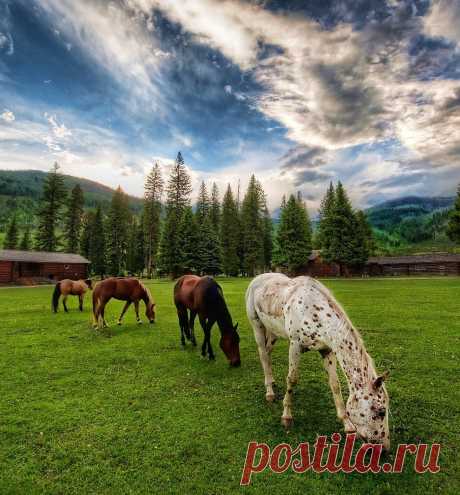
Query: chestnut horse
[(203, 296), (68, 287), (130, 290)]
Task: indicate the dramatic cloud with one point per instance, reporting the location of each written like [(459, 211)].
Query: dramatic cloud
[(443, 20), (365, 92)]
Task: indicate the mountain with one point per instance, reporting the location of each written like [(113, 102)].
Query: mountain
[(20, 191), (389, 214)]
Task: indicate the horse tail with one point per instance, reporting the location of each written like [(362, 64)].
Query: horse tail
[(56, 295)]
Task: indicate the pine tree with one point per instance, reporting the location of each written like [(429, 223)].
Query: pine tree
[(230, 235), (152, 217), (74, 219), (363, 242), (53, 198), (12, 234), (203, 205), (215, 212), (268, 239), (208, 249), (453, 226), (178, 198), (97, 243), (324, 235), (86, 234), (253, 228), (135, 252), (117, 233), (26, 241), (293, 237), (189, 241), (343, 242)]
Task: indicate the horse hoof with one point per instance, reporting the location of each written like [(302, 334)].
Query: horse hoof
[(139, 322), (287, 422), (119, 323), (270, 397), (212, 358)]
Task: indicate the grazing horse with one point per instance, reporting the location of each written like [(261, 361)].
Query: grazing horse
[(303, 311), (130, 290), (203, 296), (68, 287)]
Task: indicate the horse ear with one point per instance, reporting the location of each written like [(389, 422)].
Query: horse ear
[(380, 379)]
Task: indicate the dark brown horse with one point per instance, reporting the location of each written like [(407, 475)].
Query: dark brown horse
[(69, 287), (203, 296), (130, 290)]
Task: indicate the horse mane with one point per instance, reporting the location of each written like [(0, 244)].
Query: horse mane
[(218, 300), (147, 292), (366, 359)]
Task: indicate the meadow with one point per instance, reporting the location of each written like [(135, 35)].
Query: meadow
[(136, 413)]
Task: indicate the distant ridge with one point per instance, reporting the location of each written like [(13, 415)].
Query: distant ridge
[(29, 184)]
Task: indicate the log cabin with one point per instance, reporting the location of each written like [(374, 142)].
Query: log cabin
[(17, 266)]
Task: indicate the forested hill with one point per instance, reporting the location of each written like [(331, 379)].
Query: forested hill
[(29, 183), (391, 213), (20, 190)]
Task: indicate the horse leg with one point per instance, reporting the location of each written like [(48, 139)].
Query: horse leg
[(125, 308), (64, 303), (192, 327), (80, 302), (102, 313), (208, 327), (205, 340), (264, 346), (95, 311), (291, 380), (183, 322), (330, 365), (136, 308)]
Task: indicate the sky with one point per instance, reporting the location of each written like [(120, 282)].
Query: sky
[(298, 92)]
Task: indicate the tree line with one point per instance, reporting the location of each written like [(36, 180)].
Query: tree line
[(213, 236)]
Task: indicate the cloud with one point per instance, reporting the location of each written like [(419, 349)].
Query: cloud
[(6, 39), (303, 157), (7, 116), (116, 39), (443, 20), (330, 88)]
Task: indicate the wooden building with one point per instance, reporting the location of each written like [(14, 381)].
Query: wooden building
[(422, 264), (22, 265)]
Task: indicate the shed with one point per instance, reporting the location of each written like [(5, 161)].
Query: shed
[(16, 265), (418, 264)]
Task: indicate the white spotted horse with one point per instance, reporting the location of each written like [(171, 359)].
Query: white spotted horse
[(305, 312)]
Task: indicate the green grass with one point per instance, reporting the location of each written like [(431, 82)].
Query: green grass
[(81, 413)]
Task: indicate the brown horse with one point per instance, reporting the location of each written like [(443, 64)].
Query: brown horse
[(69, 287), (130, 290), (203, 296)]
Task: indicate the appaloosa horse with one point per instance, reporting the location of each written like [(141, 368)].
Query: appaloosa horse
[(69, 287), (130, 290), (203, 296), (305, 312)]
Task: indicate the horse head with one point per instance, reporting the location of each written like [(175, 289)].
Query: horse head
[(230, 345), (150, 311), (367, 409)]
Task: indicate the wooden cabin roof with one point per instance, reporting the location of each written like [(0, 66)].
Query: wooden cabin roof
[(41, 257), (415, 259)]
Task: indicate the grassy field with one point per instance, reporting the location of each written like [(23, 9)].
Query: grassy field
[(135, 413)]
